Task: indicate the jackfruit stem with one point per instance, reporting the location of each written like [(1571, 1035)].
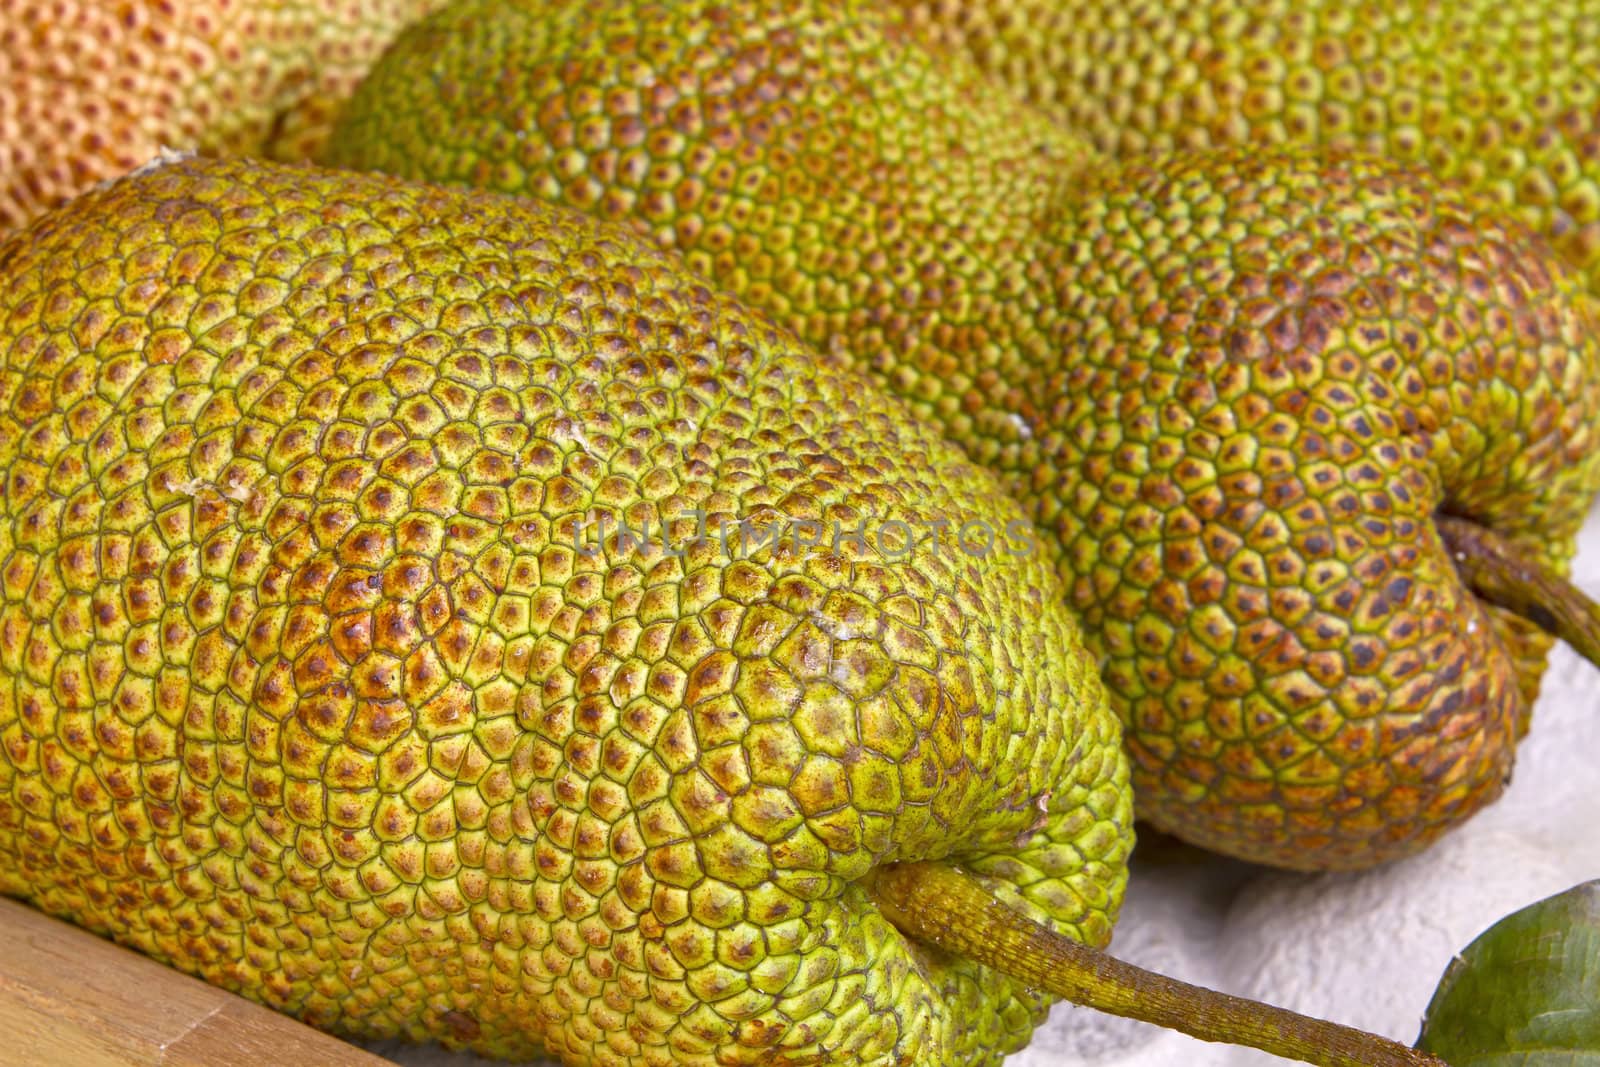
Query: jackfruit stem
[(1495, 570), (943, 905)]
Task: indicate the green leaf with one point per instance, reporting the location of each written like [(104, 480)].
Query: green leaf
[(1526, 993)]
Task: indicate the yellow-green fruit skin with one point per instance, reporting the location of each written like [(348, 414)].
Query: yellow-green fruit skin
[(309, 687), (1278, 368), (1235, 385), (805, 154), (1499, 95)]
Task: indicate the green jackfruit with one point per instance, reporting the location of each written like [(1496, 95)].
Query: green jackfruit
[(805, 154), (312, 684), (1242, 389), (1501, 96), (338, 664)]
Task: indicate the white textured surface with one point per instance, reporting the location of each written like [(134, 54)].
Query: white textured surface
[(1364, 949)]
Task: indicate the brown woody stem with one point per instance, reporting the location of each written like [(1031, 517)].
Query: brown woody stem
[(943, 905), (1497, 572)]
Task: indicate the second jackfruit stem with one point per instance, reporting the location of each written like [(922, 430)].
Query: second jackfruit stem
[(1494, 570), (945, 906)]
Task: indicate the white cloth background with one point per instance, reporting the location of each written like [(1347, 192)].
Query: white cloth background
[(1364, 949)]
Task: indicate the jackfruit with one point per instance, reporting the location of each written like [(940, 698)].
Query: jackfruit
[(1500, 96), (393, 629), (90, 89), (1251, 393)]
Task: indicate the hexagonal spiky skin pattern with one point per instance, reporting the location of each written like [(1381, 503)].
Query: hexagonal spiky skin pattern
[(1498, 94), (800, 152), (1278, 369), (1237, 389), (310, 684), (90, 89)]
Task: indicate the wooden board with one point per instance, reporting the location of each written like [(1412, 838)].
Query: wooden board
[(73, 999)]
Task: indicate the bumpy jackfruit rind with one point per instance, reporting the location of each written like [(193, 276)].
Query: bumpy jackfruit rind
[(90, 89), (303, 690), (1274, 712), (1498, 95)]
